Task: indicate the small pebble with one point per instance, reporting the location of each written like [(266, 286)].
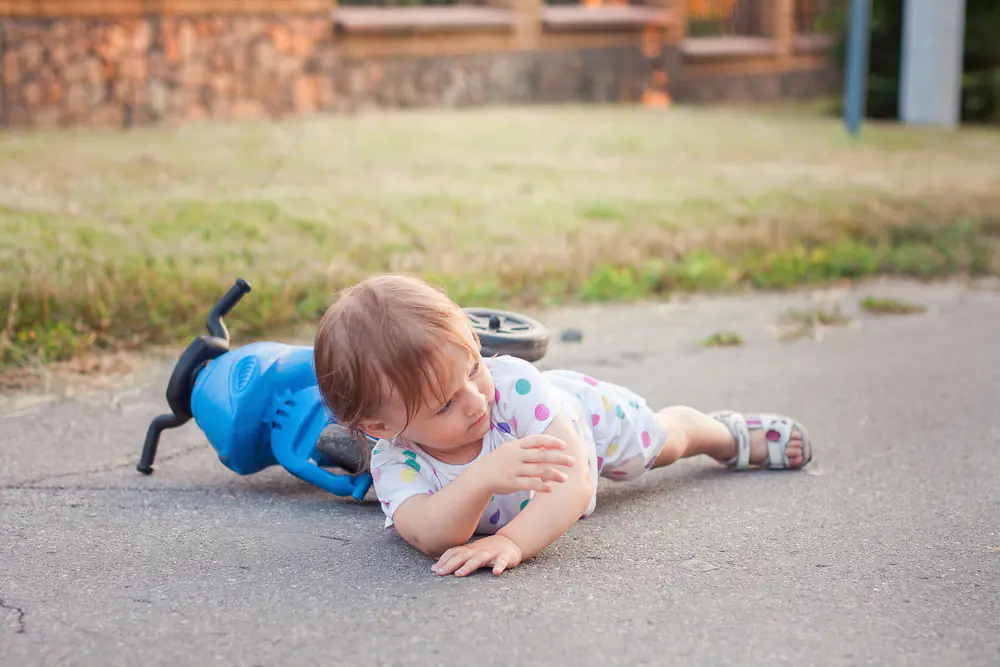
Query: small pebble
[(571, 336)]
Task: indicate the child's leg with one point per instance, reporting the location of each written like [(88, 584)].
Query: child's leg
[(690, 432)]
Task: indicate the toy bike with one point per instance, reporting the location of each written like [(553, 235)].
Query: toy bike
[(259, 405)]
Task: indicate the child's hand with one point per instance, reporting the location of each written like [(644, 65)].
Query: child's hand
[(528, 464), (495, 550)]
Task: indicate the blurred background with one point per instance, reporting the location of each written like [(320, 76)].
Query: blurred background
[(517, 152)]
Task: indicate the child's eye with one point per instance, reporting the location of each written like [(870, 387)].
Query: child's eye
[(475, 369), (445, 408)]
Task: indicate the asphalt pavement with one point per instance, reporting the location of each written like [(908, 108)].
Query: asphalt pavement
[(885, 551)]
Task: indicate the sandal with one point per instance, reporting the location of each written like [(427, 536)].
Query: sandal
[(778, 432)]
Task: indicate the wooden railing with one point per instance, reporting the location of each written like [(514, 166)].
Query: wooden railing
[(718, 18)]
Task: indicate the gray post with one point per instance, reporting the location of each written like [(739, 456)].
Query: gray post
[(859, 30), (931, 63)]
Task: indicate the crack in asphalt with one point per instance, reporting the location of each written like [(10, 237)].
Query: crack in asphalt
[(111, 467), (18, 613)]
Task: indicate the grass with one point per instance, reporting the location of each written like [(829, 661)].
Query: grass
[(831, 316), (116, 240), (723, 339), (890, 306), (804, 323)]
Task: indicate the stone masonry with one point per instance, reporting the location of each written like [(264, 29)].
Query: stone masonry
[(609, 74), (117, 73), (758, 87), (104, 73)]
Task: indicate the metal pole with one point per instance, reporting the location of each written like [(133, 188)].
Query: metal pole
[(856, 68), (931, 63)]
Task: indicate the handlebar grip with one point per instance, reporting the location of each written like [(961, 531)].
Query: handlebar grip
[(226, 303)]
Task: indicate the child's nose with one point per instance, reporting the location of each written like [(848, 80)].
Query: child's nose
[(474, 400)]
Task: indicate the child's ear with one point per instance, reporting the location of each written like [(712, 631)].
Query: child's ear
[(376, 429)]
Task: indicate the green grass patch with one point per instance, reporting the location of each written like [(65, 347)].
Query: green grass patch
[(117, 240), (890, 306), (723, 339)]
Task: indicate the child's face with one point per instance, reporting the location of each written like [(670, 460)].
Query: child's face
[(462, 419)]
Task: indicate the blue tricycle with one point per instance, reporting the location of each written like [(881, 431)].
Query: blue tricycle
[(259, 405)]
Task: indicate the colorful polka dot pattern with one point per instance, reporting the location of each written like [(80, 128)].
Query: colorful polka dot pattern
[(522, 387), (412, 470), (521, 391)]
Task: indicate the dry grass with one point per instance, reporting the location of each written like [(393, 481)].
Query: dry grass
[(119, 238), (798, 324)]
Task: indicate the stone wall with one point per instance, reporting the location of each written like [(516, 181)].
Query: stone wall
[(769, 87), (117, 73), (608, 74)]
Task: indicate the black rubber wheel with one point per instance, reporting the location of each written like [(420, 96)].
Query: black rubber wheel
[(506, 333), (337, 449)]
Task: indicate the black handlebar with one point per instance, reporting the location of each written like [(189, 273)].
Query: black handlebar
[(215, 325), (181, 385)]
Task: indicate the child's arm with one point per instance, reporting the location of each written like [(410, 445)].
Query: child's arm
[(435, 523), (549, 515), (541, 523)]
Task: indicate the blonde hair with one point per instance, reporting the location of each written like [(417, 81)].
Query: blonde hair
[(383, 338)]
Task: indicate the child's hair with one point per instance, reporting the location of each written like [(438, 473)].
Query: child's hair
[(386, 337)]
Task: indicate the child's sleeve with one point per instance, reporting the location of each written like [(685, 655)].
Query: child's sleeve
[(525, 398), (397, 475)]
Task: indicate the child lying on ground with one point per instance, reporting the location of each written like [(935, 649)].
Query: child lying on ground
[(470, 445)]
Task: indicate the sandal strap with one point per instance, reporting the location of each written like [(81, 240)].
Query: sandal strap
[(740, 430), (777, 433)]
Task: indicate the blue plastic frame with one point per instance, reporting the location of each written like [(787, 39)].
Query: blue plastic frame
[(259, 406)]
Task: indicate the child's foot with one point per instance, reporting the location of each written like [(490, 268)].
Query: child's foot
[(766, 440)]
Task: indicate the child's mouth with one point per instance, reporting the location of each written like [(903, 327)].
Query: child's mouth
[(480, 420)]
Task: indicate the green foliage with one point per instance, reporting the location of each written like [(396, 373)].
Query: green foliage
[(890, 306), (723, 339), (139, 302), (609, 283)]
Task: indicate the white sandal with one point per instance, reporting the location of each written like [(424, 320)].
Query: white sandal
[(778, 431)]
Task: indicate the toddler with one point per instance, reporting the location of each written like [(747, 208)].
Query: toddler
[(467, 444)]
